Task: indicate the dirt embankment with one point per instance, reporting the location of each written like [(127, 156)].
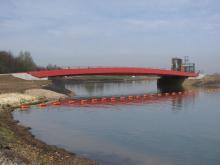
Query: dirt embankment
[(206, 81), (17, 145), (9, 84)]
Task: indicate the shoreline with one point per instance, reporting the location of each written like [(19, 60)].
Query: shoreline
[(17, 144)]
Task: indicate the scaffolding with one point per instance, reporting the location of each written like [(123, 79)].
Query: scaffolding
[(179, 65)]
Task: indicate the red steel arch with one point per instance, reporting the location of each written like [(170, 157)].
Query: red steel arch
[(112, 71)]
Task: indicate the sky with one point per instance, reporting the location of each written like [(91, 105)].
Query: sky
[(141, 33)]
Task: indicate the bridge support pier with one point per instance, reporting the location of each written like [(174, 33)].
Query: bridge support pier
[(170, 83)]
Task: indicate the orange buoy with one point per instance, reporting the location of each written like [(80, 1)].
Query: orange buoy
[(103, 99), (173, 93), (94, 101), (130, 97), (83, 101), (152, 95), (24, 106), (167, 94), (159, 94), (122, 98), (57, 103), (145, 96), (112, 99), (71, 101), (137, 97), (42, 105)]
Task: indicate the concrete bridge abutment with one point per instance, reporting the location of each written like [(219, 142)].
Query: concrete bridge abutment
[(169, 83)]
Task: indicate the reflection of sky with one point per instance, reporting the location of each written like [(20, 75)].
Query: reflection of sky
[(112, 89), (175, 131)]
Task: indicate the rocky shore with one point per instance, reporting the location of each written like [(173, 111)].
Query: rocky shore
[(18, 146)]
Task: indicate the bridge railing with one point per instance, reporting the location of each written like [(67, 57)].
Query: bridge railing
[(80, 67), (87, 67)]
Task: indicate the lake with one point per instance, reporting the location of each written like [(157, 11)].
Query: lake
[(169, 130)]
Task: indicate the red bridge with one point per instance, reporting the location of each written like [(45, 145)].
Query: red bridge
[(167, 77), (113, 71)]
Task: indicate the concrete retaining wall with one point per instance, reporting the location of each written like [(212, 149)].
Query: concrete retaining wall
[(26, 76)]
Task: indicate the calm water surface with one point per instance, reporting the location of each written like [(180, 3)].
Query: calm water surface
[(176, 130), (91, 89)]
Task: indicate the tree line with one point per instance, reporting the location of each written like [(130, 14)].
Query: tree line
[(23, 62)]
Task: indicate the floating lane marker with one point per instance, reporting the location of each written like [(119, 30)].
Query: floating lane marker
[(24, 107), (173, 94), (153, 95), (71, 101), (56, 103), (180, 93), (167, 94), (103, 99), (42, 105), (145, 96), (112, 99), (130, 98), (83, 101), (122, 98), (137, 97), (93, 101)]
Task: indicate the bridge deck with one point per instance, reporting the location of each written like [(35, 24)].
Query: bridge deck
[(112, 71)]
